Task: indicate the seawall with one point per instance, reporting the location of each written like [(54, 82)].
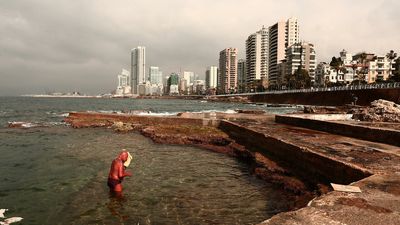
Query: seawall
[(329, 98)]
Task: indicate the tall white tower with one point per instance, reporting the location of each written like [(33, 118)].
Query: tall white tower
[(228, 70), (138, 64), (211, 77), (281, 36)]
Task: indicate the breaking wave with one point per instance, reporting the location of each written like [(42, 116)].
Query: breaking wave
[(24, 124), (149, 113), (57, 114), (229, 111)]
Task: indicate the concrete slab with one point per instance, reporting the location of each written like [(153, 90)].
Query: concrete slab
[(379, 132), (325, 154)]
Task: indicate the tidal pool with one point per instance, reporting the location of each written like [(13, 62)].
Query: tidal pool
[(57, 175)]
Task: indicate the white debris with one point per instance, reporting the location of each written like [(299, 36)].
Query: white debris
[(346, 188), (2, 211), (11, 220)]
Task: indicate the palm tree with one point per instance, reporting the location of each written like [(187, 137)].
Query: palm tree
[(391, 55), (363, 58), (354, 67)]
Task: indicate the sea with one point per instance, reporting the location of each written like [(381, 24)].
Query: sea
[(51, 173)]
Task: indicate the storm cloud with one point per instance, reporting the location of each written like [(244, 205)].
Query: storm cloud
[(81, 45)]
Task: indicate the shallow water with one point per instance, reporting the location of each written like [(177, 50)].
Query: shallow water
[(57, 175)]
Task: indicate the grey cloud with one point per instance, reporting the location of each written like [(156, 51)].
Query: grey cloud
[(81, 45)]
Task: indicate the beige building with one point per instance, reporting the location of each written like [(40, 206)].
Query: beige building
[(301, 54), (227, 81), (257, 54), (281, 35), (379, 69)]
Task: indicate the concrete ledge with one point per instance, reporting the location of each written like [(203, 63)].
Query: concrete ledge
[(378, 204), (379, 201), (375, 134), (304, 163)]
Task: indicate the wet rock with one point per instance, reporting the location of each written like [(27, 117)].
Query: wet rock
[(379, 111), (327, 109), (240, 99), (15, 124), (309, 109), (122, 127), (250, 111)]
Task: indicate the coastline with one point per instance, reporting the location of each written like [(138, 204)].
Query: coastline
[(201, 130), (294, 164)]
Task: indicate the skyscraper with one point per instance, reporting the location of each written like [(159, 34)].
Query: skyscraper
[(211, 77), (138, 64), (173, 82), (155, 75), (189, 77), (242, 76), (228, 70), (281, 36), (123, 83), (257, 54)]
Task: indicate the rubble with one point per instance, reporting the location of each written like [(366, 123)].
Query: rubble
[(379, 111)]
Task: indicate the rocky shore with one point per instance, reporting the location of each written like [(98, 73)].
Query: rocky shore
[(302, 158), (201, 130)]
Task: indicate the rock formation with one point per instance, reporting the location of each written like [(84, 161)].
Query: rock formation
[(379, 111)]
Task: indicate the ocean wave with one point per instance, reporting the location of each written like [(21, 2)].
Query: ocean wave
[(228, 111), (149, 113), (64, 115), (57, 114), (106, 111), (24, 124), (21, 124), (110, 111)]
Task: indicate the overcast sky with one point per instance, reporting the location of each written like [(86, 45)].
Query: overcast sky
[(81, 45)]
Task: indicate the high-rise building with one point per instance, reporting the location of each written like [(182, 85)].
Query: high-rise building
[(211, 77), (281, 36), (253, 57), (173, 79), (138, 64), (123, 83), (189, 77), (155, 75), (173, 82), (228, 70), (301, 54), (242, 75), (183, 89), (257, 54), (292, 31)]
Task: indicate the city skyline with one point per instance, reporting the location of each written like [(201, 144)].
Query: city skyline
[(46, 46)]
